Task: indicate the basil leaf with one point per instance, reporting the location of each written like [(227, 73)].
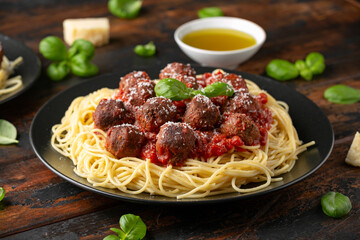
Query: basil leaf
[(112, 237), (342, 94), (281, 70), (84, 47), (125, 8), (172, 89), (7, 132), (215, 89), (119, 232), (2, 193), (133, 227), (53, 48), (82, 67), (146, 50), (335, 204), (58, 71), (315, 62), (210, 12)]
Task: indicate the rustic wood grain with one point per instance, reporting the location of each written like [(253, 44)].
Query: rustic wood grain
[(40, 205)]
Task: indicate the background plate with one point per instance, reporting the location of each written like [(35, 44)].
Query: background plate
[(308, 119), (29, 69)]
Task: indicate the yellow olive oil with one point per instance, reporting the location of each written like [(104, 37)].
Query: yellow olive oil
[(219, 39)]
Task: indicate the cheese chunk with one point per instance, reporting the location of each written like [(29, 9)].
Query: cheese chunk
[(95, 30), (353, 156)]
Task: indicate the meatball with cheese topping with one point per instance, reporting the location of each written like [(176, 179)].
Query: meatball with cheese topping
[(201, 113), (238, 124), (124, 141), (155, 112), (175, 143), (182, 72), (110, 112)]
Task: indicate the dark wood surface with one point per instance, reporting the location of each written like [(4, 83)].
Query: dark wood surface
[(41, 205)]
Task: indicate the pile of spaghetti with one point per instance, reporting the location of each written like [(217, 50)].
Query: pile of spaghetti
[(79, 139), (9, 84)]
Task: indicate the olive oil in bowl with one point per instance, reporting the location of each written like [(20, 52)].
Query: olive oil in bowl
[(219, 39)]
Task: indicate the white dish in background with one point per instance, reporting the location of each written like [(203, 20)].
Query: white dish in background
[(220, 59)]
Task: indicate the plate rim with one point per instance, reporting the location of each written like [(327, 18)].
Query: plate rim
[(174, 201)]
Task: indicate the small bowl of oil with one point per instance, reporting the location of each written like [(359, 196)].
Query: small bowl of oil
[(223, 42)]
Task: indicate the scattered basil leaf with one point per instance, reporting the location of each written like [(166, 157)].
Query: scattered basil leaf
[(306, 74), (76, 60), (210, 12), (315, 62), (342, 94), (335, 204), (172, 89), (281, 70), (125, 8), (146, 50), (216, 89), (57, 71), (7, 132), (84, 47), (53, 48), (82, 67), (132, 228), (2, 193)]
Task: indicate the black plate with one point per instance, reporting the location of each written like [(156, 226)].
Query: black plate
[(309, 120), (29, 69)]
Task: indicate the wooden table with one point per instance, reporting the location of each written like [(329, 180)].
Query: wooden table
[(41, 205)]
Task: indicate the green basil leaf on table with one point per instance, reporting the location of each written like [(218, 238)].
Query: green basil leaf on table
[(57, 71), (7, 132), (303, 70), (315, 62), (335, 204), (133, 227), (112, 237), (82, 67), (281, 70), (342, 94), (53, 48), (146, 50), (216, 89), (125, 8), (210, 12), (2, 193), (84, 47), (172, 89)]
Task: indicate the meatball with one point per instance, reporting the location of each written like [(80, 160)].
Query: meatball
[(234, 80), (135, 88), (124, 141), (181, 72), (243, 102), (201, 113), (175, 143), (110, 112), (155, 112), (239, 124)]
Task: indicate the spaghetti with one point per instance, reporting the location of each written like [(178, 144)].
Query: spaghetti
[(75, 137)]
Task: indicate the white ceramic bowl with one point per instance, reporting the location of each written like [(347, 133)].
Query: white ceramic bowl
[(221, 59)]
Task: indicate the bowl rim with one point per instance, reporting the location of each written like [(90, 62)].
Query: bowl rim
[(211, 52)]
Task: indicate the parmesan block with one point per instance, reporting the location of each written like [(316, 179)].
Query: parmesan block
[(95, 30), (353, 156)]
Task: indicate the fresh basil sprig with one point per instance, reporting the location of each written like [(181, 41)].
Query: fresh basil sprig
[(7, 132), (284, 70), (342, 94), (125, 8), (146, 50), (132, 228), (176, 90), (210, 12), (75, 60), (335, 204), (2, 193)]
